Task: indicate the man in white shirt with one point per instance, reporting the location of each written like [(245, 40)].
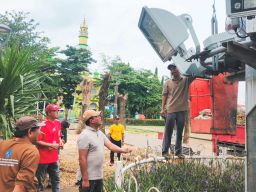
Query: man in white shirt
[(91, 144)]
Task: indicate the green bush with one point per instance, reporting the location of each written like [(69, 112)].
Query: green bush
[(142, 122), (107, 113), (185, 176), (145, 122)]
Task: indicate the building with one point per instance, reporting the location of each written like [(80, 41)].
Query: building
[(83, 35)]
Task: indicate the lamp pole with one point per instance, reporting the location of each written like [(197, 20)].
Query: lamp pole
[(5, 31)]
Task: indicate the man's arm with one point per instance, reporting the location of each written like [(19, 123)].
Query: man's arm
[(164, 99), (40, 139), (110, 131), (45, 144), (114, 148), (25, 177), (122, 133), (190, 79), (83, 154)]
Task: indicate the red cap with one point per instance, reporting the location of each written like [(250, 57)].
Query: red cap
[(52, 107)]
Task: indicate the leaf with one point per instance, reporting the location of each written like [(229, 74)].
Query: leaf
[(12, 104), (22, 81), (5, 127)]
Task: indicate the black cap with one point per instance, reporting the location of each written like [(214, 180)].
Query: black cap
[(171, 66), (27, 122)]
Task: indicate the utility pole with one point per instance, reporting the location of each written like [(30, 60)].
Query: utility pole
[(116, 98)]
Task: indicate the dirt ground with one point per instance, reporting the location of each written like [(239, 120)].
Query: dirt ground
[(69, 164), (69, 158)]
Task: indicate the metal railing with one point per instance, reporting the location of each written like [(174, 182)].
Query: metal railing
[(221, 161)]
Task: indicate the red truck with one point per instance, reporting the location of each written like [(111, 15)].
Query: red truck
[(213, 110)]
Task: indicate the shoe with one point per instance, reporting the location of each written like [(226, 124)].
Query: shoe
[(181, 156), (166, 155), (78, 182)]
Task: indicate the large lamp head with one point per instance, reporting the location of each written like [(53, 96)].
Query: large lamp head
[(164, 31)]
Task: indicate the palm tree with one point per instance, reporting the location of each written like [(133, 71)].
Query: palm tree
[(21, 83)]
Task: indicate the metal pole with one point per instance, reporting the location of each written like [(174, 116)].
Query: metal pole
[(119, 174), (214, 25), (250, 169)]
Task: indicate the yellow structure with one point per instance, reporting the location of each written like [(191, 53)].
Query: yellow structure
[(86, 93), (83, 35)]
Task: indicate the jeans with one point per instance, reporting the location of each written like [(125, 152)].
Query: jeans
[(53, 170), (95, 186), (179, 118), (119, 144)]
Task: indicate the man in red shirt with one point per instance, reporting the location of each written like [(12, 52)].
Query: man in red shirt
[(48, 144)]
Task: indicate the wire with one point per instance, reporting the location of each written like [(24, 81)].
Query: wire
[(241, 28), (238, 35)]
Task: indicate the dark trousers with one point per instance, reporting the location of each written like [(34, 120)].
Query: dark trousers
[(53, 170), (95, 186), (179, 118), (119, 144)]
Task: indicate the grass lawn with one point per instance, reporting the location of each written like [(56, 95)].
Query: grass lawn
[(133, 129)]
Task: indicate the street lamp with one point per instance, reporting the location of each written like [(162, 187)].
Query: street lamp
[(4, 34)]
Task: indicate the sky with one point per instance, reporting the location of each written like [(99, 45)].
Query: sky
[(113, 25)]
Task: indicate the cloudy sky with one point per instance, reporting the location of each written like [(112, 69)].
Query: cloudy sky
[(113, 25)]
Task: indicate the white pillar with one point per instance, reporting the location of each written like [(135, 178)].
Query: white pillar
[(118, 174)]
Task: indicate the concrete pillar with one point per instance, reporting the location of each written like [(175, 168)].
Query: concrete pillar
[(250, 171)]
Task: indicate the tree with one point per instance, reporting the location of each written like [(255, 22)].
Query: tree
[(103, 94), (24, 62), (25, 33), (20, 85), (69, 72), (142, 86), (156, 71)]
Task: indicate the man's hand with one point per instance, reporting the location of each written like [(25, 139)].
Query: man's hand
[(55, 146), (19, 188), (85, 184), (162, 113), (62, 144), (126, 149)]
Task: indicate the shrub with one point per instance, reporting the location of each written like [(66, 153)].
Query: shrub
[(143, 122), (186, 175)]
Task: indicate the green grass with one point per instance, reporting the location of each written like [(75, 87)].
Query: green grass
[(132, 129), (139, 131)]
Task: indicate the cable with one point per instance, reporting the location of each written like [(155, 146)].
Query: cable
[(241, 28)]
